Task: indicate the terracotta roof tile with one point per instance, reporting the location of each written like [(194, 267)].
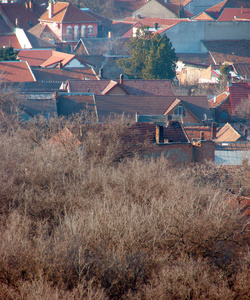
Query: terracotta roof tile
[(235, 14), (133, 87), (215, 11), (44, 32), (218, 99), (44, 58), (16, 71), (9, 40), (174, 133), (203, 16), (228, 134), (197, 58), (238, 91), (66, 12), (64, 74), (26, 17), (65, 138), (235, 51), (242, 69), (194, 133)]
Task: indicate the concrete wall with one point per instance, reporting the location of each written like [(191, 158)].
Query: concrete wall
[(197, 6), (186, 37)]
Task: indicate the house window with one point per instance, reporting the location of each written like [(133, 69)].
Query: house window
[(90, 29), (180, 111), (69, 30), (83, 31), (76, 32)]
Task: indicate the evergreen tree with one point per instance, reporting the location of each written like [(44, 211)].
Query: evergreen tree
[(152, 57), (8, 54)]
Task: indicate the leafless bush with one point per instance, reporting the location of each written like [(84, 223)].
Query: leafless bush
[(96, 221)]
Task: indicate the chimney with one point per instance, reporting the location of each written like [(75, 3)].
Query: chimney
[(202, 136), (17, 22), (136, 116), (241, 9), (31, 5), (100, 73), (121, 79), (51, 9), (245, 133), (60, 65), (156, 26), (159, 134), (213, 131), (26, 5)]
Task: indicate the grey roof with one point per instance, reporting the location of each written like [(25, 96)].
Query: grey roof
[(36, 42), (39, 103), (105, 46)]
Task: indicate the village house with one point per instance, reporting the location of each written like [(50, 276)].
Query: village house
[(69, 22)]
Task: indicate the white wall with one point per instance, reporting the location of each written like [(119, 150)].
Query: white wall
[(22, 39)]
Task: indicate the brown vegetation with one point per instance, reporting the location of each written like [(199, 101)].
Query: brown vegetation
[(100, 222)]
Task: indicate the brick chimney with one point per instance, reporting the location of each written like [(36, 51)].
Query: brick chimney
[(121, 79), (245, 133), (202, 135), (100, 73), (213, 131), (159, 134), (51, 9), (31, 5)]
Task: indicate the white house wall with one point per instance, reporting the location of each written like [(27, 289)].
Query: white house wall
[(74, 63), (186, 37)]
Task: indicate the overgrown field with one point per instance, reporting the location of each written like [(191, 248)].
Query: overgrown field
[(97, 221)]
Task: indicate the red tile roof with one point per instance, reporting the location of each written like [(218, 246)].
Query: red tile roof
[(238, 91), (235, 14), (64, 74), (218, 99), (242, 69), (174, 133), (26, 17), (235, 51), (16, 71), (45, 58), (194, 133), (203, 16), (66, 12), (44, 32), (9, 40), (228, 134), (65, 138), (216, 10), (175, 8), (133, 87)]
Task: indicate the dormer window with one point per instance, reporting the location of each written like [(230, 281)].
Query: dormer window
[(180, 111)]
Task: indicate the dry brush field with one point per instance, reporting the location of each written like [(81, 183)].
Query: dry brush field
[(97, 221)]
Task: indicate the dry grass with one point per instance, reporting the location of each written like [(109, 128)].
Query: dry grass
[(99, 222)]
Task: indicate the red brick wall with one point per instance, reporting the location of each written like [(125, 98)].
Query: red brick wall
[(184, 152)]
